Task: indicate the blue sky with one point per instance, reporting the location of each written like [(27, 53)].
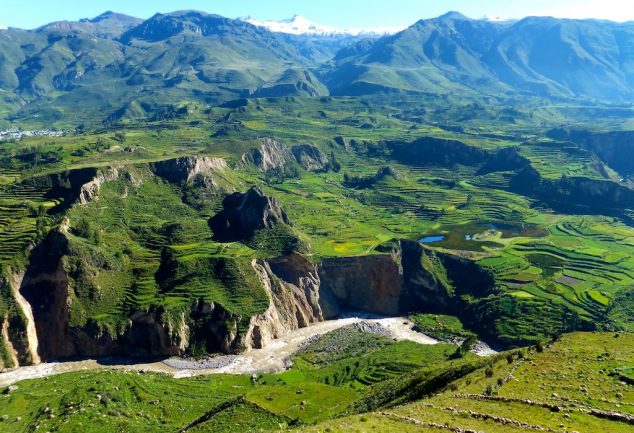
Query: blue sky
[(338, 13)]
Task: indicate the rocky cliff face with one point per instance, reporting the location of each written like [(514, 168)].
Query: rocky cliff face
[(309, 157), (406, 278), (90, 191), (402, 277), (272, 155), (48, 289), (372, 284), (293, 287), (186, 169), (246, 213), (577, 195)]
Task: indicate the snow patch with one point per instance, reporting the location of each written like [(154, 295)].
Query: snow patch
[(299, 25)]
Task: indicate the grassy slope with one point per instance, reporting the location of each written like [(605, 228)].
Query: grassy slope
[(573, 376)]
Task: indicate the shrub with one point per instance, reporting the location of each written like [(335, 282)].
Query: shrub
[(539, 347)]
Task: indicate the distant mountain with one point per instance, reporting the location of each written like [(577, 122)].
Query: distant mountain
[(298, 25), (106, 25), (167, 59), (115, 66), (437, 55), (538, 55)]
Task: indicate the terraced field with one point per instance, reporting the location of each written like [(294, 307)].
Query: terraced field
[(567, 387)]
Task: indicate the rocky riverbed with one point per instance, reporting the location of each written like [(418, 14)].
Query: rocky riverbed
[(274, 357)]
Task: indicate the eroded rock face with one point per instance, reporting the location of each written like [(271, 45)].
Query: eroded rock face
[(406, 278), (372, 284), (90, 191), (293, 286), (270, 156), (246, 213), (403, 278), (188, 168), (310, 157)]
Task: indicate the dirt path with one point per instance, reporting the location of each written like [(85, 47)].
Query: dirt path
[(273, 358)]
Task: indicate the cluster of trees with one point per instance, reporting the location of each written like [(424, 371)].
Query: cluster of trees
[(85, 230)]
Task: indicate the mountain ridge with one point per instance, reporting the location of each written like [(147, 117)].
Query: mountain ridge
[(190, 55)]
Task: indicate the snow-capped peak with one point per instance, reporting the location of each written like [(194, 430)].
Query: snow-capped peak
[(299, 25), (497, 19), (2, 27)]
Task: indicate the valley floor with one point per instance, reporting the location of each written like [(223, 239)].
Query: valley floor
[(275, 357)]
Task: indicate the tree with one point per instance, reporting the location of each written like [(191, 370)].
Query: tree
[(465, 347), (334, 164)]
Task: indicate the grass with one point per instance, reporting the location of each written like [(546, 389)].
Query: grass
[(440, 326), (557, 387)]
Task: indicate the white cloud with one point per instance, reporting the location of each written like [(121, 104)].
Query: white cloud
[(2, 27)]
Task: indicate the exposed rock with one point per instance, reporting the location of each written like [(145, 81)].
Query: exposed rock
[(428, 150), (371, 284), (271, 155), (310, 157), (187, 168), (6, 341), (246, 213), (293, 288), (342, 141), (90, 191), (577, 195), (30, 352), (406, 277)]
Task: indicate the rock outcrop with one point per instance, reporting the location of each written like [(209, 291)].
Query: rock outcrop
[(296, 299), (272, 155), (310, 158), (244, 214), (372, 284), (90, 191), (401, 277), (186, 169), (406, 277)]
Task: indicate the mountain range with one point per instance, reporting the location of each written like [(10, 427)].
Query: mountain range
[(115, 66)]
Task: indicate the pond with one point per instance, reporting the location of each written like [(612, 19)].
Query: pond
[(431, 239)]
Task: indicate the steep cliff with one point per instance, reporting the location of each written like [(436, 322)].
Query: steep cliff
[(256, 220), (309, 157), (90, 190), (271, 155), (576, 195), (372, 284), (186, 169), (51, 293), (293, 287), (406, 277)]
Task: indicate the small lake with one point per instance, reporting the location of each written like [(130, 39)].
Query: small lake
[(431, 239)]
